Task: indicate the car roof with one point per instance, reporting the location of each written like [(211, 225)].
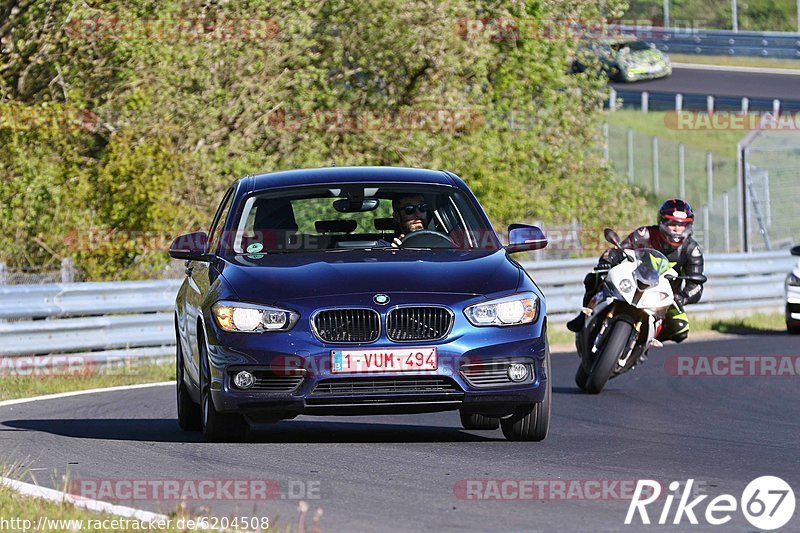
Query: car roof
[(333, 175)]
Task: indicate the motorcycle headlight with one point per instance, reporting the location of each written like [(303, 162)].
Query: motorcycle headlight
[(793, 280), (248, 318), (653, 299), (508, 311)]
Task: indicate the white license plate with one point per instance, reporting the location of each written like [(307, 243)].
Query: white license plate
[(394, 360)]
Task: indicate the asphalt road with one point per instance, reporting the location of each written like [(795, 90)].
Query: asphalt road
[(721, 83), (407, 473)]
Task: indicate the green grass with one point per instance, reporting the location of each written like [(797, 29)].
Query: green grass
[(25, 508), (733, 61), (12, 387), (756, 324)]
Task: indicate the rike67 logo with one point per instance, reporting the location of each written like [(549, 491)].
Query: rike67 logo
[(767, 503)]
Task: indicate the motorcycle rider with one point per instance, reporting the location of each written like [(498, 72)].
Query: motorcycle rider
[(673, 238)]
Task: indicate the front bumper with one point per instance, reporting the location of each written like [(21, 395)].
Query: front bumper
[(295, 377), (792, 305), (646, 73)]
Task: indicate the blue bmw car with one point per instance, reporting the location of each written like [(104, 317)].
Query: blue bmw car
[(358, 291)]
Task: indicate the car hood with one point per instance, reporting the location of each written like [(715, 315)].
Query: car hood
[(644, 56), (290, 276)]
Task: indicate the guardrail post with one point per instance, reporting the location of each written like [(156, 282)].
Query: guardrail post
[(612, 100), (710, 176), (605, 141), (681, 173), (710, 104), (67, 270), (3, 274), (630, 156), (656, 185), (645, 101), (746, 104), (678, 102), (776, 108), (734, 16), (726, 223)]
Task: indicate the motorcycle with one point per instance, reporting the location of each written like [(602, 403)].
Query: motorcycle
[(623, 319)]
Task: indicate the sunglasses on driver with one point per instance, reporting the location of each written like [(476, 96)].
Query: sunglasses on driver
[(409, 209)]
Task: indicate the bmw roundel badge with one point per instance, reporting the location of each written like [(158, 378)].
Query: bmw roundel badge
[(380, 299)]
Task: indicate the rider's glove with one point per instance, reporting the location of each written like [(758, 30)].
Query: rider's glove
[(680, 299), (610, 258)]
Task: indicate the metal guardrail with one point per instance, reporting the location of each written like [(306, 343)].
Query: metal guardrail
[(666, 101), (784, 45), (736, 282), (109, 321)]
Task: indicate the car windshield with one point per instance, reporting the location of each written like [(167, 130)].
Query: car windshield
[(361, 216), (633, 46), (652, 264)]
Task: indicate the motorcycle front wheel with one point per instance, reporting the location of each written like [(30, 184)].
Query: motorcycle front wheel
[(606, 361)]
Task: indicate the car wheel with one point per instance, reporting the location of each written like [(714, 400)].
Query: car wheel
[(793, 330), (217, 427), (189, 415), (478, 421), (607, 358), (531, 422)]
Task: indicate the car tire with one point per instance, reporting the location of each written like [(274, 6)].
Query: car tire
[(217, 426), (189, 415), (478, 421), (792, 330), (531, 422), (607, 358)]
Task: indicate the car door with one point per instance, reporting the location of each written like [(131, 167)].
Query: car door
[(198, 278)]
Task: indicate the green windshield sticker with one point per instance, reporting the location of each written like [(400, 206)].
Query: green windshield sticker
[(255, 248), (660, 264)]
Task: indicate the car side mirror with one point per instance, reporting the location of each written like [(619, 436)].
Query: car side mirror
[(525, 238), (190, 246), (796, 250)]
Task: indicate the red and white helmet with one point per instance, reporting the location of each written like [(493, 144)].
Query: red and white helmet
[(675, 211)]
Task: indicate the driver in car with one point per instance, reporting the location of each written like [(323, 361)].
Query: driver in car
[(410, 214)]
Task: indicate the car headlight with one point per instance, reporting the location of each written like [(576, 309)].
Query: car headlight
[(509, 311), (793, 280), (653, 299), (248, 318)]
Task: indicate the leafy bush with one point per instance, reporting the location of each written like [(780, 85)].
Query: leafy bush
[(176, 117)]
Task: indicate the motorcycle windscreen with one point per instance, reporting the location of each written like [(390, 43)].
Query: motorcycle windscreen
[(651, 265)]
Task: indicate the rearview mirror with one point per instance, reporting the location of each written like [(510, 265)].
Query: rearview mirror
[(796, 250), (346, 205), (525, 238), (611, 236), (190, 246)]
